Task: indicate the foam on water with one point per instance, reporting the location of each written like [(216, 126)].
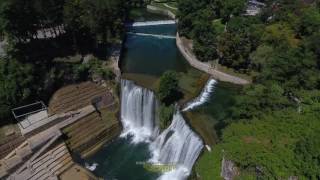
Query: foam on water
[(92, 167), (153, 35), (203, 97), (138, 112), (152, 23), (177, 145)]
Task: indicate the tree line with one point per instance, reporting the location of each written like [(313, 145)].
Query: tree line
[(38, 32)]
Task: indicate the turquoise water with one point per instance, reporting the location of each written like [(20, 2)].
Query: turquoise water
[(120, 160), (150, 55)]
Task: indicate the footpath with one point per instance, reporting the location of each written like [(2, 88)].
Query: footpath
[(205, 67)]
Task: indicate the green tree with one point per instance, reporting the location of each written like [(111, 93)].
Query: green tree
[(309, 22), (168, 91), (166, 113), (188, 12), (261, 56), (234, 50), (280, 34), (307, 151), (16, 85), (18, 19), (293, 69), (230, 8), (258, 100), (205, 45)]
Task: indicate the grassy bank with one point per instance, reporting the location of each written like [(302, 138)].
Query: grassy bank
[(208, 166), (191, 82)]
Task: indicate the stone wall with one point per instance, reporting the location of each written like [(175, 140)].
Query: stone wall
[(159, 10)]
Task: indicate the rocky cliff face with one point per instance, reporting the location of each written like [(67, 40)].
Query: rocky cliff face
[(228, 169)]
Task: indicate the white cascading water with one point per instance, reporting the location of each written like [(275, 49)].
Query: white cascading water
[(179, 146), (153, 35), (153, 23), (203, 97), (138, 112)]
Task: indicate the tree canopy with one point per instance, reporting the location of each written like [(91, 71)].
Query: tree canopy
[(168, 90), (273, 128)]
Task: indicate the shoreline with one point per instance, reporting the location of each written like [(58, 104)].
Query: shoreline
[(192, 59), (216, 74)]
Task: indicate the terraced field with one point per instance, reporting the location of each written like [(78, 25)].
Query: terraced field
[(76, 96), (88, 134)]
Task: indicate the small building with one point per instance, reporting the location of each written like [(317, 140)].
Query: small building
[(254, 7)]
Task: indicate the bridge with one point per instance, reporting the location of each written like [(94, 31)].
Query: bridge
[(150, 23)]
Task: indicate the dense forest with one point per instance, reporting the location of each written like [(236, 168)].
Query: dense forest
[(46, 41), (274, 128)]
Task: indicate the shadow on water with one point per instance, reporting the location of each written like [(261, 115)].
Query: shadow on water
[(122, 160)]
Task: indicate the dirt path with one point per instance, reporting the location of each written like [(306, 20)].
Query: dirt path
[(168, 6), (193, 61)]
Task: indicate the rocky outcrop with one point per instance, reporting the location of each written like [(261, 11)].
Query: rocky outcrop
[(228, 169)]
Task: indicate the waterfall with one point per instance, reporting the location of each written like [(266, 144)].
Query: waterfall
[(152, 23), (153, 35), (138, 112), (203, 97), (178, 145)]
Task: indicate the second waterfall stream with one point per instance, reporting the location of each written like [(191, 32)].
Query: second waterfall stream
[(177, 145)]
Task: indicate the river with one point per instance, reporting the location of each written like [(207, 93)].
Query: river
[(149, 51)]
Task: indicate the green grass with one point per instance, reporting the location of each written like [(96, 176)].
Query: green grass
[(191, 83), (208, 166), (202, 124), (218, 25)]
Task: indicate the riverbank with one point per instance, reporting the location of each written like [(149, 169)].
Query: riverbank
[(194, 62), (192, 59)]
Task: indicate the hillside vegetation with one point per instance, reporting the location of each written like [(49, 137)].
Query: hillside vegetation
[(46, 42), (273, 129)]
